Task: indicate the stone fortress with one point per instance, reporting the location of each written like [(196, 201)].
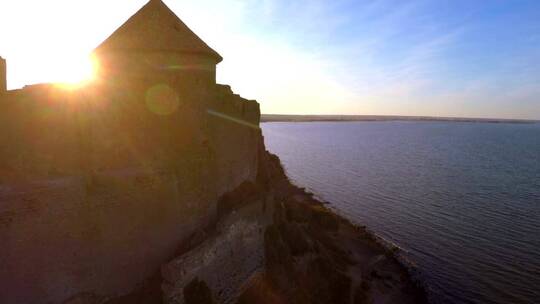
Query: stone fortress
[(151, 184), (99, 185), (155, 94)]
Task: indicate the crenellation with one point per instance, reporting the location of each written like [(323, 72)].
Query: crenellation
[(229, 104)]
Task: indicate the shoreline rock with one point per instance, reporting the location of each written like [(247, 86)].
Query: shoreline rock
[(313, 255), (273, 242)]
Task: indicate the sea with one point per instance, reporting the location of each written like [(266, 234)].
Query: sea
[(461, 200)]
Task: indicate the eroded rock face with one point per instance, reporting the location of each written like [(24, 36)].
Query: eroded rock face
[(314, 256), (229, 257)]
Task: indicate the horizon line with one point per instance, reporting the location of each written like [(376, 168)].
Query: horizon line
[(374, 117)]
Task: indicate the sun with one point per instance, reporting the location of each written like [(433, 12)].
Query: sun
[(76, 72)]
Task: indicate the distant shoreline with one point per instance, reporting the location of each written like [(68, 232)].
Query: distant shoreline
[(337, 118)]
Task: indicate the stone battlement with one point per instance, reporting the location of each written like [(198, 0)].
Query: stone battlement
[(234, 105)]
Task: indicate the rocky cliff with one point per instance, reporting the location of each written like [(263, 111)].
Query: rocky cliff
[(275, 243)]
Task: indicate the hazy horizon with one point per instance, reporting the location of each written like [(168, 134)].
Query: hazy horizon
[(391, 115), (419, 58)]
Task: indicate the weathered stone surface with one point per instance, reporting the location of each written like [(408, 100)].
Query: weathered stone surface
[(247, 192), (296, 211), (324, 218), (226, 259), (295, 238)]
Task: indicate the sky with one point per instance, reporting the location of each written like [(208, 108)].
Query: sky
[(458, 58)]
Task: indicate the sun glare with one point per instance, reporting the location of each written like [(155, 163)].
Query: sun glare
[(74, 72)]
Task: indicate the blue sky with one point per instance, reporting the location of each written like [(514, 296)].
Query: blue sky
[(449, 58), (475, 58)]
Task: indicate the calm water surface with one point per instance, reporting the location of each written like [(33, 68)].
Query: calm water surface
[(461, 199)]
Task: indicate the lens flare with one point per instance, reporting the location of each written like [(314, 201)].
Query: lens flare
[(162, 100)]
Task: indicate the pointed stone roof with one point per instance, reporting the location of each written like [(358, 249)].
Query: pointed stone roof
[(156, 28)]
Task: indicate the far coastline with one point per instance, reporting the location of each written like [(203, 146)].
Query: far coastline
[(350, 118)]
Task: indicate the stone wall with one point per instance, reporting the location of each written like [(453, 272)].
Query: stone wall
[(70, 222), (126, 65), (48, 132), (40, 134), (60, 239)]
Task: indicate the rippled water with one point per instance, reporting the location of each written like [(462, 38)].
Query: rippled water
[(461, 199)]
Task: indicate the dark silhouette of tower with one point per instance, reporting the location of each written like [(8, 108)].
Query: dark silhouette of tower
[(155, 42)]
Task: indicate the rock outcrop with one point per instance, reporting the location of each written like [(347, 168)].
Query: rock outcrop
[(314, 256)]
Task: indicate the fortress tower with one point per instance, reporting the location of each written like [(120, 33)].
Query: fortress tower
[(3, 76), (111, 178), (155, 42)]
